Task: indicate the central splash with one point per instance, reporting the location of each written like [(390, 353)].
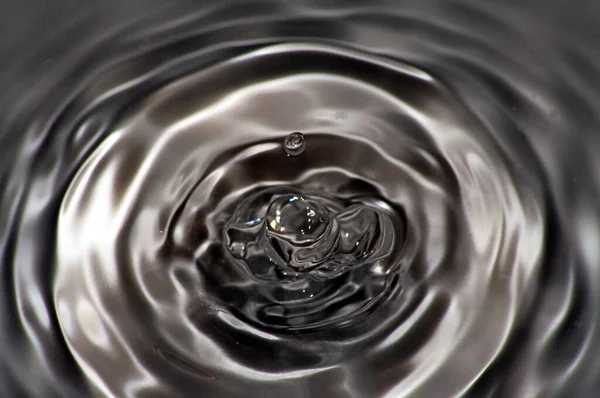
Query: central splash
[(300, 232), (315, 260)]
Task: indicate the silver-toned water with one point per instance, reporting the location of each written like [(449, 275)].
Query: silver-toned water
[(432, 231), (294, 144)]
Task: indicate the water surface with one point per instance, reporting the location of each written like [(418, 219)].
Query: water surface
[(432, 232)]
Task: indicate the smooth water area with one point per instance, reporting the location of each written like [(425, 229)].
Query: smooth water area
[(300, 199)]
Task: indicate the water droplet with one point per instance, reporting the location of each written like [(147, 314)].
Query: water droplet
[(295, 216), (294, 144), (302, 232)]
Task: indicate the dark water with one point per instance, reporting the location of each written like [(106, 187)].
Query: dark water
[(434, 232)]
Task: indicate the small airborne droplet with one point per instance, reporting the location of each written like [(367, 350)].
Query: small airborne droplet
[(294, 144)]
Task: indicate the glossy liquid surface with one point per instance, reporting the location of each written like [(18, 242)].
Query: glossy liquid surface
[(300, 199)]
